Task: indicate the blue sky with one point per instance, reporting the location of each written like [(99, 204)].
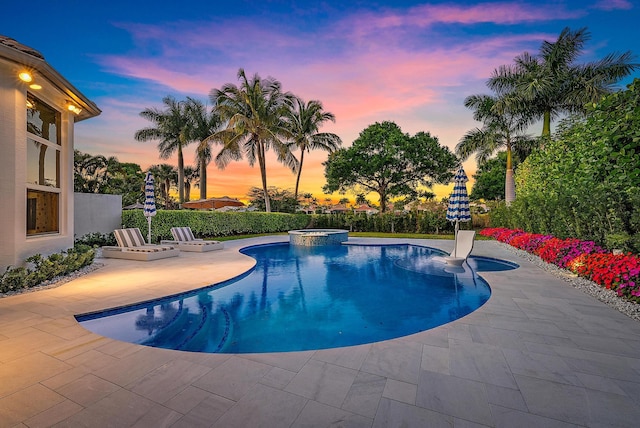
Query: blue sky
[(412, 62)]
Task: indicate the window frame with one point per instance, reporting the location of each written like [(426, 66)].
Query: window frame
[(56, 146)]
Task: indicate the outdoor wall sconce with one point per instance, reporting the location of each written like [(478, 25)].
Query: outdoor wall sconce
[(25, 76), (73, 108)]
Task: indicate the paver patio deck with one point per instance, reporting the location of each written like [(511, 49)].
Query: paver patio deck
[(538, 353)]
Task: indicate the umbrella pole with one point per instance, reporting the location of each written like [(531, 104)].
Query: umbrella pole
[(149, 233), (455, 239)]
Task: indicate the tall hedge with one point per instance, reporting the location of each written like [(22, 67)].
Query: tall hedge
[(585, 183), (410, 222), (209, 224)]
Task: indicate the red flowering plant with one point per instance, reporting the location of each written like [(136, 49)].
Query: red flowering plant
[(550, 250), (561, 252), (490, 232), (618, 272), (529, 242), (501, 234)]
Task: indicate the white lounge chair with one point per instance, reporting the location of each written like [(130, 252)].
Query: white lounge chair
[(131, 246), (184, 239), (462, 247)]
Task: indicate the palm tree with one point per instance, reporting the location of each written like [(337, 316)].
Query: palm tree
[(304, 120), (551, 83), (88, 172), (172, 130), (204, 125), (501, 129), (164, 174), (254, 112), (191, 175)]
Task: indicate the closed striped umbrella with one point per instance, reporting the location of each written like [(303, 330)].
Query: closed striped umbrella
[(149, 201), (458, 209)]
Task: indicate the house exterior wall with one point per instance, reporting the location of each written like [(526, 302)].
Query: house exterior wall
[(63, 240), (16, 245), (95, 213), (10, 167)]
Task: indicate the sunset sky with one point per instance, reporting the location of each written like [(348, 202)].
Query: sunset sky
[(411, 62)]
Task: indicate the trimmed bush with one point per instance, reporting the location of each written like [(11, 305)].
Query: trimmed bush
[(209, 224), (407, 222), (40, 269)]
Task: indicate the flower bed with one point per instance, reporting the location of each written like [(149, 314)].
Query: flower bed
[(618, 272)]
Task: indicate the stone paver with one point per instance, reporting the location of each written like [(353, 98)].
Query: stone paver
[(538, 353)]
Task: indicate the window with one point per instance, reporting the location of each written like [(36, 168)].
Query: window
[(43, 167), (43, 164), (42, 212), (42, 120)]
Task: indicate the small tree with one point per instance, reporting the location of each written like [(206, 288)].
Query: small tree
[(281, 200), (390, 163)]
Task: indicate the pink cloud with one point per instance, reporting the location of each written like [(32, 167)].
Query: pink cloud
[(362, 26), (613, 5), (364, 68), (497, 13)]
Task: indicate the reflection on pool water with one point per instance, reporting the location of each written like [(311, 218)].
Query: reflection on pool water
[(302, 298)]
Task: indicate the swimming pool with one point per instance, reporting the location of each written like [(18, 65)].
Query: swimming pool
[(301, 298)]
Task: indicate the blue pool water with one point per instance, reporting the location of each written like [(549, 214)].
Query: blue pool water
[(302, 298)]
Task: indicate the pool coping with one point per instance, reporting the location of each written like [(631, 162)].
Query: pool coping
[(538, 352)]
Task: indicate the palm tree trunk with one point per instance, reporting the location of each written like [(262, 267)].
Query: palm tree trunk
[(167, 187), (509, 183), (203, 178), (41, 161), (263, 175), (295, 195), (180, 175), (546, 124)]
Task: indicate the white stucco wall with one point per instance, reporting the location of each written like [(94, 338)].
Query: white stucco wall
[(95, 213), (10, 168), (16, 246), (48, 86)]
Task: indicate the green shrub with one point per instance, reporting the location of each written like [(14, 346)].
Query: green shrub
[(96, 239), (209, 224), (407, 222), (41, 269), (13, 279), (585, 183), (618, 241)]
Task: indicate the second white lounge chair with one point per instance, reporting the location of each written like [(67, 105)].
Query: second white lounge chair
[(131, 246), (184, 239), (462, 247)]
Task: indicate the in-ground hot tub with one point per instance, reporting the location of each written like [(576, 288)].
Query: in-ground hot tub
[(316, 237)]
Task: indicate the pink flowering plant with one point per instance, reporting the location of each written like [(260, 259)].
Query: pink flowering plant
[(618, 272)]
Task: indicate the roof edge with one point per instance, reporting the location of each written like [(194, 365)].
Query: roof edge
[(38, 64)]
